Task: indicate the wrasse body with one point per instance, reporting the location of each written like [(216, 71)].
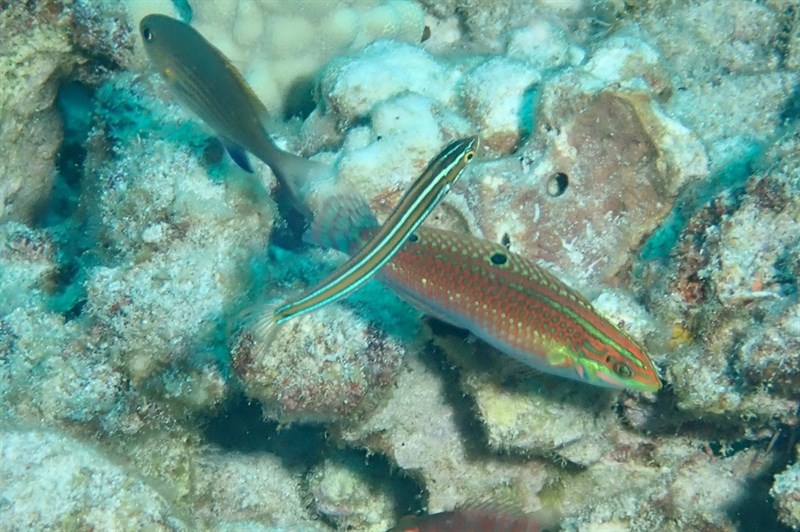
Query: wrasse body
[(518, 307), (512, 304), (481, 518), (208, 84), (415, 205)]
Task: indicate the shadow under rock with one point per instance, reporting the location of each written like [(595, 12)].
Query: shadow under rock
[(473, 432), (756, 511), (241, 427)]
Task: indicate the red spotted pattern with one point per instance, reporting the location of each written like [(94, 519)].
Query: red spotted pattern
[(517, 306)]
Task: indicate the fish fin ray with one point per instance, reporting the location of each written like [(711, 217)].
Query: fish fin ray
[(262, 322), (341, 223), (238, 154)]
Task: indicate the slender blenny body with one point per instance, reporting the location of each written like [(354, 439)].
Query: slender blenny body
[(210, 86), (417, 203)]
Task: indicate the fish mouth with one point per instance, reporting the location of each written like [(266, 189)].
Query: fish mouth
[(645, 383)]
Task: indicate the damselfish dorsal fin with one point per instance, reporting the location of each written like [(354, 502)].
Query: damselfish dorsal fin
[(340, 222)]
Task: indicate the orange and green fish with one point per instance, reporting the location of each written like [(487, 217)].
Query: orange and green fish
[(512, 304), (208, 84), (469, 518), (414, 207)]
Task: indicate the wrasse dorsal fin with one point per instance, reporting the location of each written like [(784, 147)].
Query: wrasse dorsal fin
[(487, 515), (506, 514)]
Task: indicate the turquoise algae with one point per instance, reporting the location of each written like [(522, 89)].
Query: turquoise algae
[(647, 154)]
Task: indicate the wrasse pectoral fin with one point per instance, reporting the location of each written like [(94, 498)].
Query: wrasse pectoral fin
[(559, 358)]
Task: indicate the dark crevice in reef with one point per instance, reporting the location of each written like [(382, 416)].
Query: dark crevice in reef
[(62, 214), (242, 428), (757, 511), (75, 104), (290, 224), (299, 101), (791, 111)]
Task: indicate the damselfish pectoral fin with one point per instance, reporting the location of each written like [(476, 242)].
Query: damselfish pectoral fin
[(238, 154), (341, 222)]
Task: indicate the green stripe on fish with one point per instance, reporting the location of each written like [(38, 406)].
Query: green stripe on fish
[(518, 307), (414, 207)]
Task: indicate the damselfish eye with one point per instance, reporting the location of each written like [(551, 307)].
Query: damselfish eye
[(623, 370), (147, 34)]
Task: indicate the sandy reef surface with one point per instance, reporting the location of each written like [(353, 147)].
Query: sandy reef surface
[(648, 153)]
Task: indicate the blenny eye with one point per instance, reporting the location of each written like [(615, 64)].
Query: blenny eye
[(469, 155), (147, 34), (623, 370)]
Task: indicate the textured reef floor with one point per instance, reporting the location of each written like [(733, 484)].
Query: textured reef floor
[(648, 153)]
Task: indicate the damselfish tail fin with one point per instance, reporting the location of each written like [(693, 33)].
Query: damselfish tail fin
[(299, 176), (341, 221)]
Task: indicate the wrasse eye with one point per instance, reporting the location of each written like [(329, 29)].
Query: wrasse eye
[(147, 34), (623, 370), (469, 155)]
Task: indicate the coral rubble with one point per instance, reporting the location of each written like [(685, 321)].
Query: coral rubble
[(647, 152), (54, 481), (320, 368)]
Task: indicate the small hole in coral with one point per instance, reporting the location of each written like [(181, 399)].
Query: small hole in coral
[(557, 184), (426, 34), (299, 100)]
